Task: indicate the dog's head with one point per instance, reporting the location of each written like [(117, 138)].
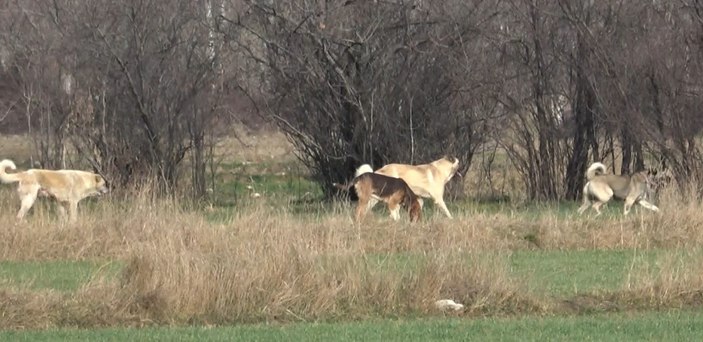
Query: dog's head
[(450, 165), (657, 179), (100, 185)]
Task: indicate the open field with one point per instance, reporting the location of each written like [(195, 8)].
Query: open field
[(287, 266), (651, 326)]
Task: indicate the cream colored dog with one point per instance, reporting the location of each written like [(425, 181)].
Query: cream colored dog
[(68, 187), (602, 187), (425, 180)]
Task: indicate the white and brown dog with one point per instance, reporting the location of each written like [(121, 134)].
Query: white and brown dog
[(68, 187), (425, 180), (376, 187)]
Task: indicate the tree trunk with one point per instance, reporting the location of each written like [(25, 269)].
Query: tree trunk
[(584, 135)]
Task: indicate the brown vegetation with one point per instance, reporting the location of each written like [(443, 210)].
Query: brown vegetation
[(266, 263)]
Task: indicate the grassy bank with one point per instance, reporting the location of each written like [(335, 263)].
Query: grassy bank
[(267, 263)]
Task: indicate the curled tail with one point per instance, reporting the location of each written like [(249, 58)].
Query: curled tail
[(594, 170), (366, 168), (6, 177)]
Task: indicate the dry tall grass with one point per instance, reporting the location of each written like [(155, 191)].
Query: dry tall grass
[(266, 263)]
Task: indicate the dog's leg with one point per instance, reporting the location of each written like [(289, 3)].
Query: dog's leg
[(601, 192), (62, 210), (394, 208), (438, 197), (371, 203), (414, 210), (394, 202), (365, 194), (586, 201), (596, 207), (629, 202), (648, 205), (27, 198), (440, 202), (628, 205), (395, 213), (360, 212), (362, 207), (72, 211), (444, 207)]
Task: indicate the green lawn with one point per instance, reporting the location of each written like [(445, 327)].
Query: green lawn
[(571, 272), (58, 275), (554, 273), (650, 326), (285, 187)]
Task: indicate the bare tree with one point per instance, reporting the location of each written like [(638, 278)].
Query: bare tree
[(37, 70), (531, 93), (137, 87), (628, 94), (647, 88), (362, 82), (145, 83), (582, 21)]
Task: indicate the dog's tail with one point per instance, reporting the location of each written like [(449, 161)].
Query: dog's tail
[(594, 170), (345, 187), (363, 169), (7, 177), (366, 168)]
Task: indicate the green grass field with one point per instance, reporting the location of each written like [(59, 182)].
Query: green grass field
[(649, 326), (61, 275)]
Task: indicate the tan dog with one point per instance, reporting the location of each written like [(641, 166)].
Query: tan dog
[(602, 187), (394, 191), (426, 180), (68, 187)]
